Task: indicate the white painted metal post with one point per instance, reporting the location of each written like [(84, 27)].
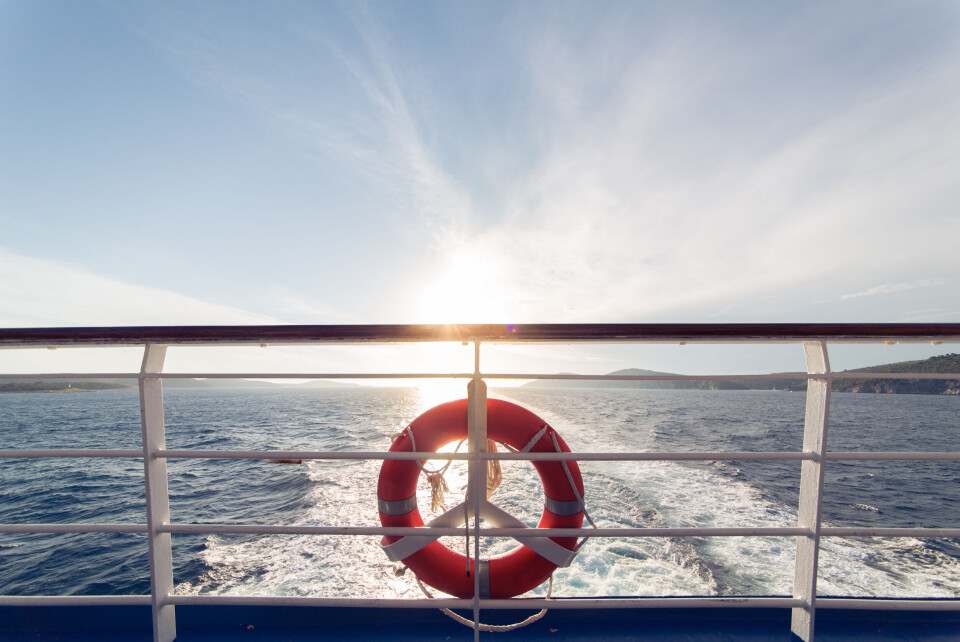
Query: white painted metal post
[(811, 488), (158, 501), (477, 475)]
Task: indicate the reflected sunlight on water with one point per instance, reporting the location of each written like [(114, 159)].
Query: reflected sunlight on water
[(433, 392)]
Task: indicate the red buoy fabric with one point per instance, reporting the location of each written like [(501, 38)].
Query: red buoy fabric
[(512, 573)]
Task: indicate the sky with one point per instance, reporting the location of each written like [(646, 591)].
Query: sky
[(167, 163)]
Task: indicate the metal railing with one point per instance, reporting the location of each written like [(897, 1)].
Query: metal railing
[(813, 456)]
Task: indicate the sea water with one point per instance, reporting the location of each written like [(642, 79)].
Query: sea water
[(343, 493)]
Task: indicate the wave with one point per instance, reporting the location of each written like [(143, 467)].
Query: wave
[(343, 492), (628, 495)]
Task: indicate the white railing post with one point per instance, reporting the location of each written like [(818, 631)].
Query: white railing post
[(477, 476), (158, 500), (811, 488)]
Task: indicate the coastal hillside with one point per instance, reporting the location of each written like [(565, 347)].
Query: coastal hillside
[(638, 385), (248, 383), (949, 363), (61, 385)]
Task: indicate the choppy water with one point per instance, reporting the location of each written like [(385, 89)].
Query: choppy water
[(618, 494)]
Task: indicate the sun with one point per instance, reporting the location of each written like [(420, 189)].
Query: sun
[(470, 290)]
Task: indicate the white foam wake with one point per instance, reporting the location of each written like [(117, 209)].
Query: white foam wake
[(634, 494)]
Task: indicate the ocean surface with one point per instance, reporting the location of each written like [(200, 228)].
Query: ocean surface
[(618, 494)]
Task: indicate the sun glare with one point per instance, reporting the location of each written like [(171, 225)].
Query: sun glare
[(433, 392), (470, 290)]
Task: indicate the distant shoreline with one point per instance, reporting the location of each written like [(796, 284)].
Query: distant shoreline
[(948, 364), (58, 386), (94, 385), (909, 384)]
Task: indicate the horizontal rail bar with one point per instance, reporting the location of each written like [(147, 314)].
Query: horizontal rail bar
[(946, 604), (502, 456), (73, 528), (658, 377), (68, 452), (73, 375), (255, 529), (725, 377), (911, 376), (647, 602), (619, 332), (340, 602), (318, 375), (307, 454), (907, 376), (857, 531), (893, 456), (665, 456), (515, 603), (252, 529), (491, 375), (893, 604), (243, 375), (73, 600)]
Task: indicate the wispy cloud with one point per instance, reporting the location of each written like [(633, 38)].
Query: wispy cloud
[(945, 315), (890, 288), (41, 293), (365, 114), (644, 204), (698, 165), (440, 202)]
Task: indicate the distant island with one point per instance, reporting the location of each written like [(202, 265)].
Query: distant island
[(949, 363), (90, 385), (58, 385)]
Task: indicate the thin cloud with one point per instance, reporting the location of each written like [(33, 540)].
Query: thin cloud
[(438, 202), (634, 209), (890, 288), (41, 293), (373, 129), (932, 314)]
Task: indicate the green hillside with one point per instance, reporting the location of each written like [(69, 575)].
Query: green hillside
[(638, 385), (61, 385), (949, 363)]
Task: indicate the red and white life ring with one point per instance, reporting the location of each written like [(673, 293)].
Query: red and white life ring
[(501, 576)]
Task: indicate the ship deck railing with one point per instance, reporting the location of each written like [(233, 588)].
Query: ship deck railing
[(813, 338)]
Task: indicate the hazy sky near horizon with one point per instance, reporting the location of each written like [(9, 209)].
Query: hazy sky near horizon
[(408, 162)]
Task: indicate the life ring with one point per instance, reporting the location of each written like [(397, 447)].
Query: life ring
[(502, 576)]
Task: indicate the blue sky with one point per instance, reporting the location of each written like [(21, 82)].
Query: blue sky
[(401, 162)]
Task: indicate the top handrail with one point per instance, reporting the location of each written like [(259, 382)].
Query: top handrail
[(538, 332)]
